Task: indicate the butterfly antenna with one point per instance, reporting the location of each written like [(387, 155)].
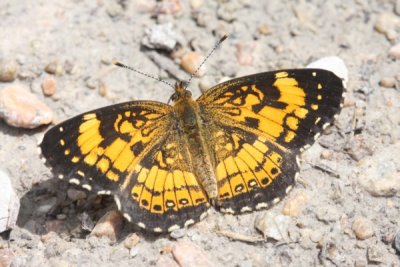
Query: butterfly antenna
[(119, 64), (204, 61)]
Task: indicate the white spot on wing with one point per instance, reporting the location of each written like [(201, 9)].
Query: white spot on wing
[(261, 205), (74, 181), (87, 187), (117, 202), (127, 217), (157, 230), (104, 192), (141, 225), (289, 188), (245, 209), (173, 227), (276, 200), (189, 222), (203, 215)]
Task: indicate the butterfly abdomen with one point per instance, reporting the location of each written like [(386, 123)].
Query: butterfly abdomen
[(192, 126)]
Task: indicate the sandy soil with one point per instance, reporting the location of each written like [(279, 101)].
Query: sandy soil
[(339, 173)]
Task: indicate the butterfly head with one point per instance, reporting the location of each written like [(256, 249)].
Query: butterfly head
[(180, 93)]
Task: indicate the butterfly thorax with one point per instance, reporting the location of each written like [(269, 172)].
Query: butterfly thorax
[(190, 122)]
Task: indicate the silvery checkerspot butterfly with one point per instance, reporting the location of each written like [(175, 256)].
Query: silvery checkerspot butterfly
[(234, 148)]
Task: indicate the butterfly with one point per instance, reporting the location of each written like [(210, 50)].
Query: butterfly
[(234, 148)]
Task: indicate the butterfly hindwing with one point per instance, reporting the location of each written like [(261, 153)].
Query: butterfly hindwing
[(163, 193), (251, 171)]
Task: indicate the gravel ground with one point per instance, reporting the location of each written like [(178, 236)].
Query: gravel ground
[(345, 210)]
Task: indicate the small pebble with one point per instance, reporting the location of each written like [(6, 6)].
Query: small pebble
[(394, 51), (178, 233), (46, 205), (396, 242), (264, 29), (188, 254), (272, 225), (375, 254), (295, 205), (49, 86), (160, 36), (55, 226), (334, 64), (327, 154), (191, 61), (75, 194), (8, 70), (388, 82), (131, 241), (362, 228), (327, 215), (91, 83), (114, 9), (379, 174), (54, 68), (21, 108), (9, 203), (109, 225), (387, 23), (196, 4), (169, 7)]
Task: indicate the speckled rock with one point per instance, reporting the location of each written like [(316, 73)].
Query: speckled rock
[(363, 228), (9, 203), (109, 225), (160, 36), (380, 176), (188, 254), (21, 108)]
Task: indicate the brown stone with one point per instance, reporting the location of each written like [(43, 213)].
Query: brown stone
[(109, 225), (21, 108), (191, 61), (49, 86)]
